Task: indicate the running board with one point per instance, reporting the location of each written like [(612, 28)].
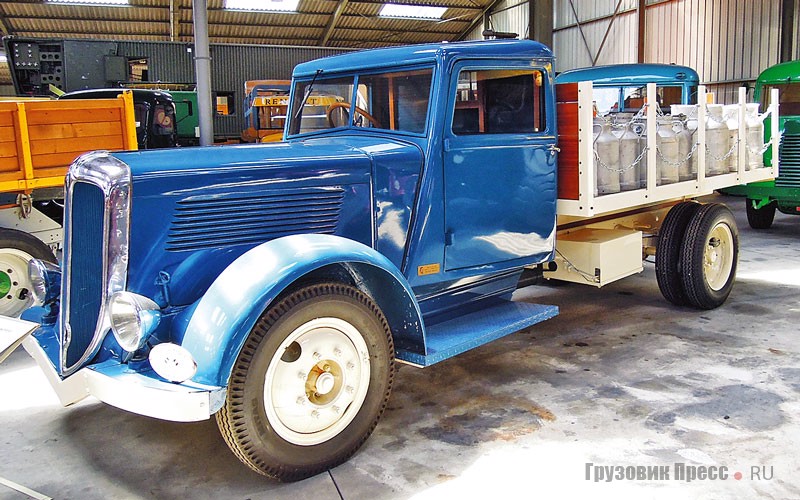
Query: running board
[(449, 338)]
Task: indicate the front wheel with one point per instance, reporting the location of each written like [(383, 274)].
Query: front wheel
[(310, 383), (16, 250), (760, 218), (709, 256)]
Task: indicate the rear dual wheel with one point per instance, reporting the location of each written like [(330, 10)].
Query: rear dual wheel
[(310, 384), (697, 254)]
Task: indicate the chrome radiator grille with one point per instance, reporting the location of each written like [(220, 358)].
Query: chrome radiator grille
[(86, 266), (95, 260)]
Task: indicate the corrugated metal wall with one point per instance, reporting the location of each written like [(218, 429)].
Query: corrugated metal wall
[(728, 42), (231, 66), (510, 16)]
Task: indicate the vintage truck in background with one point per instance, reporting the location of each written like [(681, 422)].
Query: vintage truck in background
[(40, 138), (273, 286), (782, 193)]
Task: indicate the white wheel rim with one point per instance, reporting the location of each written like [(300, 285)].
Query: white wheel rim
[(14, 272), (718, 256), (317, 381)]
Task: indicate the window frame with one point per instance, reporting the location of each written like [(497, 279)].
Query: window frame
[(483, 65), (356, 76)]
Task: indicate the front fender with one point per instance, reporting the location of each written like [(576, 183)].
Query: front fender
[(214, 329)]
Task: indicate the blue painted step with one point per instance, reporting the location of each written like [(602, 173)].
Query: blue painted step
[(448, 338)]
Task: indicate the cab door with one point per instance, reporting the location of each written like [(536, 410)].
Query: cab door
[(499, 166)]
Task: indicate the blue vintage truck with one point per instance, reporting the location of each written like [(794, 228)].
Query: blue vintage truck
[(274, 286)]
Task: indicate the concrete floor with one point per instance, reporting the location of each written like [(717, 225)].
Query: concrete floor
[(619, 379)]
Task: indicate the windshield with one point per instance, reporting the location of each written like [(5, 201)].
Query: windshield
[(387, 101), (789, 98)]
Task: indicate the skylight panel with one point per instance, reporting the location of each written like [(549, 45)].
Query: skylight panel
[(412, 11), (90, 2), (263, 5)]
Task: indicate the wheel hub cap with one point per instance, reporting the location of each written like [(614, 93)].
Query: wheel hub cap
[(718, 256), (316, 381)]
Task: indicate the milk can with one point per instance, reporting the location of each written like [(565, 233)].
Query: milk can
[(667, 152), (755, 137), (639, 127), (731, 114), (717, 141), (684, 147), (606, 148), (688, 112), (629, 177)]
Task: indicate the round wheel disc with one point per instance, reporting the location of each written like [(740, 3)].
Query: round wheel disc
[(317, 381), (15, 284), (718, 256)]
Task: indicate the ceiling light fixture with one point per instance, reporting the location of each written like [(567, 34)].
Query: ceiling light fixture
[(412, 11), (263, 5)]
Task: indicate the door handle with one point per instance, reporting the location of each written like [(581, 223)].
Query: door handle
[(554, 149)]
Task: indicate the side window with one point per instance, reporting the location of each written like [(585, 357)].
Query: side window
[(395, 101), (499, 102)]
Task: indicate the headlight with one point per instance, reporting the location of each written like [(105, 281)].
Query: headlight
[(133, 319), (45, 281)]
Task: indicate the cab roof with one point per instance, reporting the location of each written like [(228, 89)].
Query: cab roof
[(424, 53), (621, 74), (780, 73)]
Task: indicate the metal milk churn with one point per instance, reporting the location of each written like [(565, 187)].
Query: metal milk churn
[(731, 114), (667, 152), (688, 113), (684, 146), (755, 137), (629, 150), (606, 150), (717, 141), (639, 127)]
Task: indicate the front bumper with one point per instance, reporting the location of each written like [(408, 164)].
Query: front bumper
[(142, 393)]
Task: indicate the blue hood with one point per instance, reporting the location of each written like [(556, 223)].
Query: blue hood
[(195, 210)]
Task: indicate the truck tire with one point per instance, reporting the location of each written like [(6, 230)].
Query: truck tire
[(16, 250), (760, 218), (668, 251), (310, 384), (709, 256)]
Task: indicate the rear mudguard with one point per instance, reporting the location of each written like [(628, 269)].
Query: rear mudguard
[(214, 329)]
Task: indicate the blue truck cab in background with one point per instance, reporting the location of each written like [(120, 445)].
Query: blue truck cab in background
[(274, 285), (622, 87)]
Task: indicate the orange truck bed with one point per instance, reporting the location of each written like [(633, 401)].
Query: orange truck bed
[(40, 138)]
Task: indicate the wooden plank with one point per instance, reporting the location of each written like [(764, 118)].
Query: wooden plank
[(78, 145), (7, 117), (47, 177), (568, 175), (70, 130), (54, 159), (43, 117), (567, 92), (8, 149), (7, 134), (11, 165)]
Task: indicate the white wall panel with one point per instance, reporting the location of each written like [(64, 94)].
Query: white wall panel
[(620, 46)]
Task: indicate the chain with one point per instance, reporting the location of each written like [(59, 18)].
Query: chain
[(727, 155), (623, 169), (759, 151), (679, 162)]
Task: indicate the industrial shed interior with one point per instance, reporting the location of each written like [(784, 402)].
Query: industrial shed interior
[(495, 376)]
